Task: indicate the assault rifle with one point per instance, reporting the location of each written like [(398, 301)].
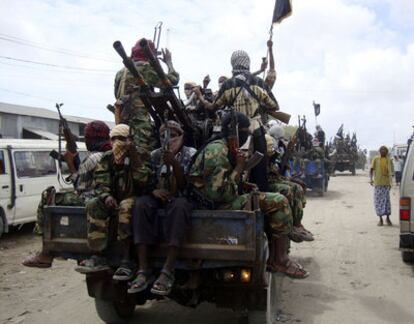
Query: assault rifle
[(165, 147), (174, 104), (142, 85), (233, 135)]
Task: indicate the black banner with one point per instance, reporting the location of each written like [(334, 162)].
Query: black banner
[(317, 108), (283, 9)]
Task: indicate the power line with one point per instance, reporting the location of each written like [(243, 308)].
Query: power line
[(42, 69), (24, 42), (46, 99), (54, 65)]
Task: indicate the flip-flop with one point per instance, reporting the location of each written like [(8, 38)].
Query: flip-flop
[(163, 285), (34, 261)]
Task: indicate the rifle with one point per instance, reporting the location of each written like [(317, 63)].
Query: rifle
[(165, 146), (142, 85), (70, 142), (233, 136), (175, 104)]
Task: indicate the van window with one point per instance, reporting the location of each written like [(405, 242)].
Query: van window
[(2, 163), (34, 164)]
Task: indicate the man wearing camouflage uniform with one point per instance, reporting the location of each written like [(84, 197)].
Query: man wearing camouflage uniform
[(218, 178), (290, 189), (97, 142), (129, 108), (120, 175)]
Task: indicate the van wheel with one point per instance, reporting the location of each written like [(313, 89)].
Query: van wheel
[(2, 224), (269, 315), (114, 312), (407, 256)]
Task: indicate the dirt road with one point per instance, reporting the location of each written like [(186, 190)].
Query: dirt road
[(357, 275)]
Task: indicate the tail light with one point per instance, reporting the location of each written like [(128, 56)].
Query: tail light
[(405, 209)]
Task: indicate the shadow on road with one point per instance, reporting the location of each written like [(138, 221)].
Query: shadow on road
[(314, 296), (329, 195)]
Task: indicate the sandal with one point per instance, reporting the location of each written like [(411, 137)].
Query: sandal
[(304, 234), (389, 222), (38, 260), (291, 269), (125, 272), (141, 282), (164, 283), (92, 265)]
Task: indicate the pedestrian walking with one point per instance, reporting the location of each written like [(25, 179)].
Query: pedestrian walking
[(398, 166), (381, 174)]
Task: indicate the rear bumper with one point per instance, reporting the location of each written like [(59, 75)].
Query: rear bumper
[(407, 241)]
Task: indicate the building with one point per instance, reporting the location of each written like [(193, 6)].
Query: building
[(36, 123)]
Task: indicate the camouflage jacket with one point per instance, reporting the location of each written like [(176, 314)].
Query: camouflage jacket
[(121, 182), (212, 173), (125, 81)]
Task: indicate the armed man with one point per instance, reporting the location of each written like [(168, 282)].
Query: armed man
[(218, 179), (248, 94), (97, 142), (129, 108), (293, 190), (170, 165), (119, 176)]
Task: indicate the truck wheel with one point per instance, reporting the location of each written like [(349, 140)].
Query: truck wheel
[(2, 224), (269, 315), (407, 256), (114, 312)]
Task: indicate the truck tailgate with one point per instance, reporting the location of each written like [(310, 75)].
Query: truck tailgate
[(214, 235)]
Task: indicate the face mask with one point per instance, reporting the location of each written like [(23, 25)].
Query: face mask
[(119, 148), (176, 143)]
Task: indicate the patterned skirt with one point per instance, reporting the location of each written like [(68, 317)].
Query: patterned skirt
[(382, 200)]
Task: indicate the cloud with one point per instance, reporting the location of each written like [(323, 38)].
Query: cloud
[(354, 57)]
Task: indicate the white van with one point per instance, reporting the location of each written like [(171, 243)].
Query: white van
[(407, 208), (26, 169)]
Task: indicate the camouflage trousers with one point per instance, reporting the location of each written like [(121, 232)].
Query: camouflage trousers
[(99, 219), (65, 198), (142, 131), (275, 207), (294, 193)]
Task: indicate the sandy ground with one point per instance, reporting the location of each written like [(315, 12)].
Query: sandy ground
[(357, 275)]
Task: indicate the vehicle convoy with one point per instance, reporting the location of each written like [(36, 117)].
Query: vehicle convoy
[(223, 262), (26, 169), (407, 208)]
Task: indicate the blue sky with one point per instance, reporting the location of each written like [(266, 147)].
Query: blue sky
[(355, 57)]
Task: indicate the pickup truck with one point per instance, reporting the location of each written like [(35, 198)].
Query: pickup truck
[(223, 262)]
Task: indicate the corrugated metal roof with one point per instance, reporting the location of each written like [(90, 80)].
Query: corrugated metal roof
[(43, 113), (42, 133)]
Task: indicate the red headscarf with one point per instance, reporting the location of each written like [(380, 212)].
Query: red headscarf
[(137, 53), (97, 136)]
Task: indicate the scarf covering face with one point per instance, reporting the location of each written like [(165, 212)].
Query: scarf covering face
[(137, 53), (240, 61), (119, 148), (97, 136)]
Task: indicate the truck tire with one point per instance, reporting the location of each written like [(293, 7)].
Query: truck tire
[(269, 315), (114, 312), (2, 223), (407, 256), (353, 171)]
